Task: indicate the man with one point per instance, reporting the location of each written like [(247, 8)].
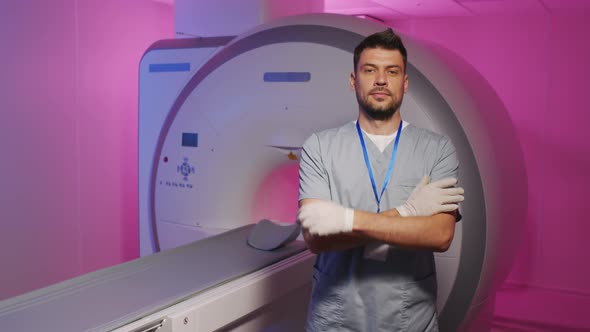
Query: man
[(375, 266)]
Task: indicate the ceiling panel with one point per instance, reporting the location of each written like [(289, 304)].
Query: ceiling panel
[(395, 9), (168, 2), (347, 4), (480, 7), (376, 11), (425, 8), (567, 4)]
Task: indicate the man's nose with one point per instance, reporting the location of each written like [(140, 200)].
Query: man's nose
[(380, 80)]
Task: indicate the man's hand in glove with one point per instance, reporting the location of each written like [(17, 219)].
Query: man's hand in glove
[(428, 199), (325, 218)]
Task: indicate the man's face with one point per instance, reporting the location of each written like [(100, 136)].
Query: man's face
[(380, 82)]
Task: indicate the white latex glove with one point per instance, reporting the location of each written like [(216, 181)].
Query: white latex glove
[(428, 199), (325, 218)]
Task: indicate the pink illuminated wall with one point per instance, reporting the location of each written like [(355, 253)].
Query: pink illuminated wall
[(538, 64), (68, 135)]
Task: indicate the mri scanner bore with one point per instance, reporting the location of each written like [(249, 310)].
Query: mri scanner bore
[(240, 117)]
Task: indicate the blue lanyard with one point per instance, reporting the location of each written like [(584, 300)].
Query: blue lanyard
[(368, 163)]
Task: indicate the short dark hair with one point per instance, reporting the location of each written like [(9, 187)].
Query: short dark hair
[(387, 39)]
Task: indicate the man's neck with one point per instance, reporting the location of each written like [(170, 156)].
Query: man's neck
[(379, 127)]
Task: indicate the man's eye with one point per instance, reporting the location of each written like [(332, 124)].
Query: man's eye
[(393, 72), (369, 70)]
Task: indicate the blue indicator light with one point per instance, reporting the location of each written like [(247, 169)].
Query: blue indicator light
[(169, 67), (287, 77)]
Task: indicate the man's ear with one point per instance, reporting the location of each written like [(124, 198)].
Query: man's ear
[(351, 81), (406, 83)]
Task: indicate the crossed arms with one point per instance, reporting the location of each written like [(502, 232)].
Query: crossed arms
[(427, 221)]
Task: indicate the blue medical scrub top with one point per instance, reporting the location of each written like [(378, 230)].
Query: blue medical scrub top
[(352, 292)]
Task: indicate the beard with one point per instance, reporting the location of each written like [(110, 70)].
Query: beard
[(379, 113)]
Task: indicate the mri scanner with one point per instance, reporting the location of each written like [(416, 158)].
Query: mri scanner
[(221, 122)]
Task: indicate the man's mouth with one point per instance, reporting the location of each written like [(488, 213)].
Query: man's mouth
[(380, 94)]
